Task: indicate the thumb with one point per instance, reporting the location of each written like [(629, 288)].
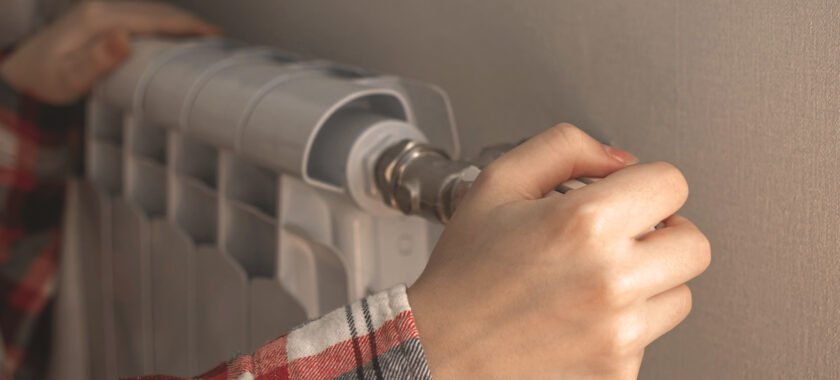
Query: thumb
[(536, 167)]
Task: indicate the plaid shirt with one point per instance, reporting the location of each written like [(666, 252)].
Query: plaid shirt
[(39, 149), (374, 339)]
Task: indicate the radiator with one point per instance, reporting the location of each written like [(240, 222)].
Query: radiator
[(228, 198)]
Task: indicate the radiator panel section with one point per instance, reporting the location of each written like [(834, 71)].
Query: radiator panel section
[(205, 238)]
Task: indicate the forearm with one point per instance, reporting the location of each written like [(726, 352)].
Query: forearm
[(20, 106), (38, 151)]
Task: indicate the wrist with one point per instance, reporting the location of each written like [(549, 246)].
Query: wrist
[(11, 77), (45, 115), (18, 75), (9, 93), (437, 328), (15, 88), (4, 63), (6, 70)]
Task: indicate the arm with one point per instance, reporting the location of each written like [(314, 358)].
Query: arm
[(574, 286), (523, 283), (42, 83), (61, 63), (38, 150)]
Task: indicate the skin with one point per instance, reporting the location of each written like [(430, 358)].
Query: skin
[(528, 284), (524, 283), (61, 63)]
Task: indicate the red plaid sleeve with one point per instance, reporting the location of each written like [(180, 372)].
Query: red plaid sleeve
[(39, 149), (374, 338)]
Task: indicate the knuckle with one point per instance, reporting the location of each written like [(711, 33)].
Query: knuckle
[(697, 246), (613, 290), (622, 336), (568, 130), (704, 249), (588, 220), (564, 136), (672, 177)]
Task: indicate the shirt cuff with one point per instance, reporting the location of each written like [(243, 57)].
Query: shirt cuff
[(374, 338)]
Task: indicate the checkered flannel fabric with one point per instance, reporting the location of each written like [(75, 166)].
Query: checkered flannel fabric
[(372, 339), (39, 150)]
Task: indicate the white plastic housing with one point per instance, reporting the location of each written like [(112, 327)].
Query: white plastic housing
[(235, 199), (271, 106)]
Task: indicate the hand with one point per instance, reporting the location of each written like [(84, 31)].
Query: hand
[(528, 284), (61, 64)]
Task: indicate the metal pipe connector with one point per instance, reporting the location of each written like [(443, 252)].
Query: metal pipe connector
[(418, 179)]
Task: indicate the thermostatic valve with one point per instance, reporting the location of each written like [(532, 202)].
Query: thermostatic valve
[(419, 179)]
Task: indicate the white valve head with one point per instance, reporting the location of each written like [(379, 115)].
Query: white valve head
[(344, 154)]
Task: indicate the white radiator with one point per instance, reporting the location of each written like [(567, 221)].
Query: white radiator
[(228, 199)]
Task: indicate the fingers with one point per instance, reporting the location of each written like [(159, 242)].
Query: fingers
[(536, 167), (152, 17), (109, 51), (96, 17), (670, 256), (665, 311), (87, 65), (94, 39), (636, 198)]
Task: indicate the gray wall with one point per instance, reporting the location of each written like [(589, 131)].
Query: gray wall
[(743, 95)]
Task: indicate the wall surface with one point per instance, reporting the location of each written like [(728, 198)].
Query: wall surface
[(743, 95)]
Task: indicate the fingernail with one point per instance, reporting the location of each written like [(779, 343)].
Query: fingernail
[(620, 155)]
